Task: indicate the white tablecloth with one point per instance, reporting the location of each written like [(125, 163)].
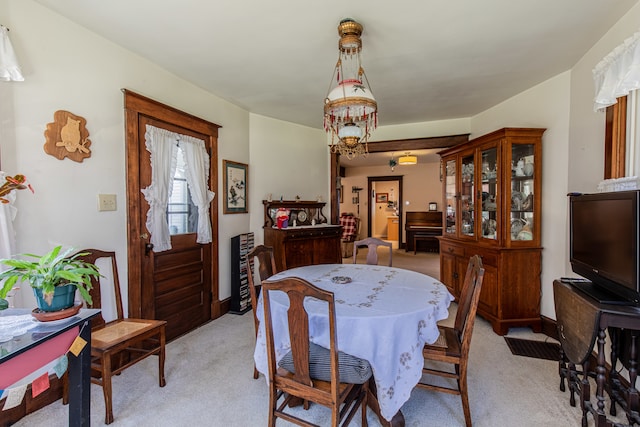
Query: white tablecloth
[(384, 315)]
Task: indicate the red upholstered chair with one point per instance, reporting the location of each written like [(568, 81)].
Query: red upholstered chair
[(350, 227)]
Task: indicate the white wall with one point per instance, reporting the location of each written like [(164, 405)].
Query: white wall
[(586, 128), (69, 68), (66, 67), (287, 160), (545, 106)]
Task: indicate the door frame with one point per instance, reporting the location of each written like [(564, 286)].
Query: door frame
[(370, 181), (136, 105)]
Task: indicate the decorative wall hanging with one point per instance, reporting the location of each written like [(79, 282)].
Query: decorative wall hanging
[(235, 180), (67, 136)]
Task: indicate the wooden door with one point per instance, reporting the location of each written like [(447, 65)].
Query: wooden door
[(179, 285)]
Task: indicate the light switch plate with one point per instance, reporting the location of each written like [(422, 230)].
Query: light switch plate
[(106, 202)]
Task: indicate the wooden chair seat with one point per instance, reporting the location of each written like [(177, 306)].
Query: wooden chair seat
[(344, 399), (266, 269), (452, 346), (118, 344)]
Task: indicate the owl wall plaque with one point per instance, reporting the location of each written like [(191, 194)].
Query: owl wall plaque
[(67, 136)]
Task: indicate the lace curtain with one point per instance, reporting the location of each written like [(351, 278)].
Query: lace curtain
[(618, 73), (9, 68), (197, 174), (163, 146)]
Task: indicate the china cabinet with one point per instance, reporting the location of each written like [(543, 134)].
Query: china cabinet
[(491, 192)]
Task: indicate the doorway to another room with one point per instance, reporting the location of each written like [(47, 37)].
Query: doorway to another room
[(384, 216)]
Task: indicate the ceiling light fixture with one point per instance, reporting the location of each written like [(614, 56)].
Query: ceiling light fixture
[(350, 110), (408, 159)]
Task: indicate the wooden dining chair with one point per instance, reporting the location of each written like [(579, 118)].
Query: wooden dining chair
[(372, 244), (453, 343), (120, 343), (266, 269), (311, 373)]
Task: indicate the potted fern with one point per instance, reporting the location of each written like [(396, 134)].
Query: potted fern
[(54, 278)]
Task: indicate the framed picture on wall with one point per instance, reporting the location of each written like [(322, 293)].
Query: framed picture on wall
[(433, 206), (341, 194), (235, 181), (382, 197)]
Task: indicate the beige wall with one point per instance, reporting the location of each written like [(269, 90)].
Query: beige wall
[(67, 67), (421, 185)]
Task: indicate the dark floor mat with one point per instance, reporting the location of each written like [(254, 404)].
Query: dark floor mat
[(536, 349)]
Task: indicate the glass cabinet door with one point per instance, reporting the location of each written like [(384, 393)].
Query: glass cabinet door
[(467, 199), (450, 195), (523, 221), (489, 207)]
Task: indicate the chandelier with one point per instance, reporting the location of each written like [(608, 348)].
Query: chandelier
[(350, 110)]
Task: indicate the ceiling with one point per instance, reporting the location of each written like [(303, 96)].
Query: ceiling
[(426, 60)]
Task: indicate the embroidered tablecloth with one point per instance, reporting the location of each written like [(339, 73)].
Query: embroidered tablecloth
[(384, 315)]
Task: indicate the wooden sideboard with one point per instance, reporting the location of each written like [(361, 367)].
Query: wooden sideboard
[(304, 244)]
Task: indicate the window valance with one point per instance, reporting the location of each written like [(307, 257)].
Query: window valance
[(618, 73)]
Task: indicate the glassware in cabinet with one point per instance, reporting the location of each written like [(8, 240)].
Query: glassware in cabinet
[(450, 196), (489, 195), (467, 197), (522, 217)]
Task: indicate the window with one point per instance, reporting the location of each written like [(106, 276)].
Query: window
[(622, 137), (182, 214)]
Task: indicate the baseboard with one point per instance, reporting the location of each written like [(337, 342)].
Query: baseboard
[(549, 327)]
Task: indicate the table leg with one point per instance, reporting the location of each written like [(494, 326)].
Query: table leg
[(372, 402), (600, 417), (80, 381)]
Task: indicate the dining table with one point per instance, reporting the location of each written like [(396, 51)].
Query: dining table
[(384, 315)]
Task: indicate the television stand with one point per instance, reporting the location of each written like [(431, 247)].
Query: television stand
[(582, 322), (595, 292)]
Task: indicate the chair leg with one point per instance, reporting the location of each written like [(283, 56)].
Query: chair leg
[(273, 401), (161, 357), (256, 374), (365, 390), (464, 395), (106, 388)]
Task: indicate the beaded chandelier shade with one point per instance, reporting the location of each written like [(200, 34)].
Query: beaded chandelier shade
[(350, 110)]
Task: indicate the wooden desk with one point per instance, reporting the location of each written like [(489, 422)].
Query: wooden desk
[(581, 322), (23, 347)]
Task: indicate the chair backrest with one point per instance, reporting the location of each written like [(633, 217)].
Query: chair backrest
[(372, 244), (92, 255), (297, 291), (468, 302), (266, 269), (350, 227)]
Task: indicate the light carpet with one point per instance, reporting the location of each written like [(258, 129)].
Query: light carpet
[(209, 383)]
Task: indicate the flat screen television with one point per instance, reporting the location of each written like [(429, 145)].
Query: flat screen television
[(604, 241)]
